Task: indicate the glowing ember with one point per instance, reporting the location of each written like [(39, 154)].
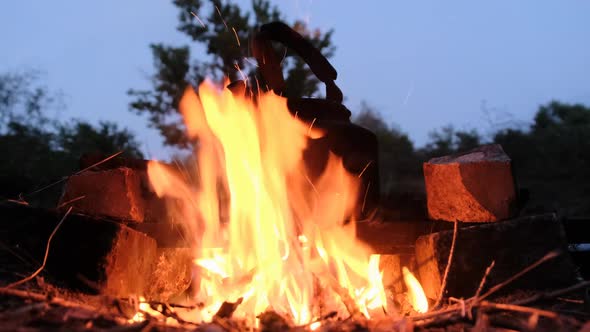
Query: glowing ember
[(139, 315), (416, 294), (284, 245), (314, 326), (143, 308)]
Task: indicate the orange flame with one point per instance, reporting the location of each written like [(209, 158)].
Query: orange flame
[(265, 233), (416, 294)]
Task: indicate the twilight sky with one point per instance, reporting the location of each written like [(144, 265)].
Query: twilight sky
[(422, 64)]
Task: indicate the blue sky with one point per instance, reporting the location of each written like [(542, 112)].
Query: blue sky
[(422, 64)]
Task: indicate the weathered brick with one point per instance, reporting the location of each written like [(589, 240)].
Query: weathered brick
[(476, 186), (129, 263), (391, 266), (391, 237), (166, 234), (512, 244), (117, 193), (121, 193), (172, 273), (86, 253)]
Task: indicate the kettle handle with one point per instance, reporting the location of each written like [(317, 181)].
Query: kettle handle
[(270, 65)]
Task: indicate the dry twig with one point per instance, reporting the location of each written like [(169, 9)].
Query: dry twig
[(449, 262), (501, 285), (483, 280), (480, 287), (168, 311), (34, 274), (71, 201), (454, 311), (514, 307), (553, 294), (60, 302), (77, 173)]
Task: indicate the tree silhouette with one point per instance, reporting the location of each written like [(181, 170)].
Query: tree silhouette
[(224, 29), (40, 148), (447, 140), (397, 159)]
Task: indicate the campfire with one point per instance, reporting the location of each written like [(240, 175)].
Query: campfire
[(276, 226), (288, 242)]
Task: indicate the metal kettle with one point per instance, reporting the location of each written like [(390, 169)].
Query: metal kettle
[(357, 146)]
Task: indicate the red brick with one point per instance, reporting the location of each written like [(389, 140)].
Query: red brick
[(171, 274), (476, 186), (115, 193), (512, 244), (129, 264), (87, 253), (396, 237), (391, 266), (122, 193)]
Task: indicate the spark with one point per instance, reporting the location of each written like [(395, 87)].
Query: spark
[(237, 66), (236, 35), (364, 169), (251, 62), (284, 57), (221, 17), (198, 19), (311, 126), (312, 185), (409, 94)]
